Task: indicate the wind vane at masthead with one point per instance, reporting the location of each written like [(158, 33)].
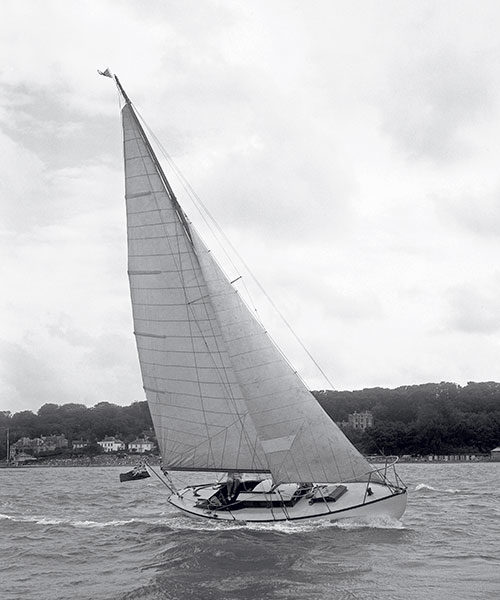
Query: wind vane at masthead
[(106, 73)]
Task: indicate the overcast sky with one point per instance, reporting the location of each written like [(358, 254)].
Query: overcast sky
[(349, 149)]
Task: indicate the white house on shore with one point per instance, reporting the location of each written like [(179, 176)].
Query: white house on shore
[(141, 446), (111, 444)]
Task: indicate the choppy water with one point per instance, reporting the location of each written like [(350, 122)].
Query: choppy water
[(77, 533)]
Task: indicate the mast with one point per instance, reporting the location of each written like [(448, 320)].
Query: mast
[(180, 212), (122, 91)]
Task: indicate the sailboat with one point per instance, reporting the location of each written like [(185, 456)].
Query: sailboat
[(222, 397)]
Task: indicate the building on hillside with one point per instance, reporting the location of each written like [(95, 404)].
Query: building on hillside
[(111, 444), (495, 454), (25, 445), (79, 444), (362, 420), (47, 443), (22, 458), (54, 442), (141, 446)]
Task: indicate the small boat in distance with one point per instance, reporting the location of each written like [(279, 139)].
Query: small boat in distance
[(222, 396), (138, 472)]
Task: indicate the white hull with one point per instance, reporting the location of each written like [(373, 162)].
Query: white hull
[(353, 504)]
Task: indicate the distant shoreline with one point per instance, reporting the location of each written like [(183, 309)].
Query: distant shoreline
[(133, 460), (95, 461)]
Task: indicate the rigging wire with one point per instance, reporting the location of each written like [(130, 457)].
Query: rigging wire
[(209, 218), (170, 485)]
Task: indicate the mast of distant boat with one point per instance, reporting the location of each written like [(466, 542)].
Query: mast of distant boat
[(7, 455)]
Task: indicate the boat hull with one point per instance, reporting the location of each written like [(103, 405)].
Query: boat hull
[(384, 502), (134, 475)]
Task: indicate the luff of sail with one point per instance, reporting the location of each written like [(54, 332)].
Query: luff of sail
[(200, 417)]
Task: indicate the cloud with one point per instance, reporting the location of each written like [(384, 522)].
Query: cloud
[(434, 99), (475, 310), (476, 211), (22, 174), (28, 380), (46, 368)]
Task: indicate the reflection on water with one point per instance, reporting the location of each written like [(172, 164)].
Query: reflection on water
[(79, 533)]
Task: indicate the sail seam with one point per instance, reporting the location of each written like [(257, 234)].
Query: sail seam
[(154, 224), (183, 393), (153, 364), (144, 272), (158, 303), (188, 287), (201, 352), (150, 237), (171, 320), (203, 423), (154, 210), (208, 383), (183, 433), (137, 195), (283, 406), (256, 366), (153, 335), (191, 408), (246, 352), (275, 423), (151, 254)]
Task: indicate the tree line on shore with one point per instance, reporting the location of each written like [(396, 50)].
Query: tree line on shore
[(77, 421), (434, 418)]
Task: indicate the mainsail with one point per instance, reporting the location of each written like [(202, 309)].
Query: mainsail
[(196, 404), (221, 395)]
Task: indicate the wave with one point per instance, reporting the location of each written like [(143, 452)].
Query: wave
[(424, 487), (41, 520), (183, 523), (374, 523), (286, 527)]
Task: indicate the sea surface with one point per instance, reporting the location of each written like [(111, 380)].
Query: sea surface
[(78, 534)]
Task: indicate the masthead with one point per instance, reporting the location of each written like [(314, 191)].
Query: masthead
[(108, 73)]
